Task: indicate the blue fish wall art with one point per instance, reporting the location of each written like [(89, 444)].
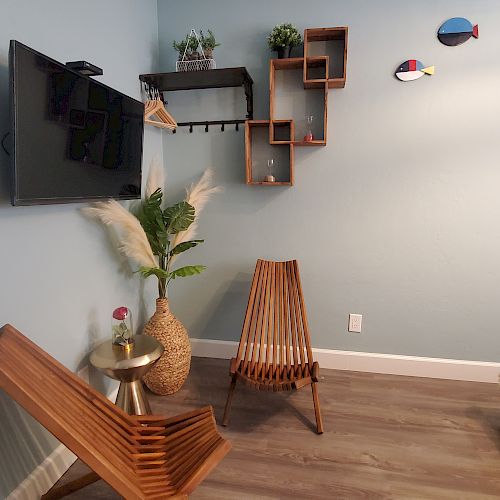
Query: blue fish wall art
[(456, 31)]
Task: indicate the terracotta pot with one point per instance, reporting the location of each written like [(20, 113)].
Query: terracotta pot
[(170, 372)]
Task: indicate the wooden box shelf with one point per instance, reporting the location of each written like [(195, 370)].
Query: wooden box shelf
[(315, 72), (330, 42), (281, 132), (289, 101), (258, 150), (298, 88)]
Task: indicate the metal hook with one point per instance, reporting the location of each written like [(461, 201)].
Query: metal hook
[(237, 127), (206, 127), (190, 128), (222, 127)]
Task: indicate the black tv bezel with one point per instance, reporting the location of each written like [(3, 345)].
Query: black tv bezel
[(15, 200)]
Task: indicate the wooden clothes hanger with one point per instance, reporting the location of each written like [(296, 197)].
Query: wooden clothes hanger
[(154, 108)]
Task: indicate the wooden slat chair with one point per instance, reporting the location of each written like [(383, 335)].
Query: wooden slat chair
[(275, 348), (141, 457)]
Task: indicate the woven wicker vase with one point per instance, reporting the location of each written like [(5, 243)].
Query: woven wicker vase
[(170, 372)]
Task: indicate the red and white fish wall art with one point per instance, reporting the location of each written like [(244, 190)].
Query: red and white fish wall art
[(413, 70)]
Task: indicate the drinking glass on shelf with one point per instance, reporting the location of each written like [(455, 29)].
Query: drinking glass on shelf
[(309, 136), (270, 169)]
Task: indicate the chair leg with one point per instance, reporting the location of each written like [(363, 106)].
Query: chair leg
[(225, 419), (317, 410)]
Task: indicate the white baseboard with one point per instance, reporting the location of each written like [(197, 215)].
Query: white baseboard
[(45, 475), (393, 364)]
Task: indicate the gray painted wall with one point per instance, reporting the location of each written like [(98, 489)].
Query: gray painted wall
[(61, 278), (396, 218)]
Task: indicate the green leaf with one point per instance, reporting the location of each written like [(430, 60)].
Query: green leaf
[(179, 217), (150, 216), (182, 272), (150, 271), (186, 245)]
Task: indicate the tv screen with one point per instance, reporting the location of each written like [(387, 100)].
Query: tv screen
[(75, 139)]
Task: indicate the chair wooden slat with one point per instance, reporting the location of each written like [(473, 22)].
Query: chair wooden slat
[(54, 403), (140, 457), (250, 335), (79, 410), (275, 353), (249, 315)]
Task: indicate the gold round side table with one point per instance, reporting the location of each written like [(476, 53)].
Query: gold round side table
[(129, 366)]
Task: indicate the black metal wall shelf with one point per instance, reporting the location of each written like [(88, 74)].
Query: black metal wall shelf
[(208, 79)]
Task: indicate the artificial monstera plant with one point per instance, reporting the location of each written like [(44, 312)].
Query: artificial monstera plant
[(154, 235)]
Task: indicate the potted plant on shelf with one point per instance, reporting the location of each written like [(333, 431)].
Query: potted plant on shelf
[(180, 47), (283, 38), (187, 48), (193, 48), (154, 236), (208, 43)]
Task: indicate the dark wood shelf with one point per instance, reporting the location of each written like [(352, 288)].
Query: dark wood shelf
[(196, 80), (206, 79)]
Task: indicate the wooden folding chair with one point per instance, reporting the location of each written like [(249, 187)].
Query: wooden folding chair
[(275, 352), (140, 457)]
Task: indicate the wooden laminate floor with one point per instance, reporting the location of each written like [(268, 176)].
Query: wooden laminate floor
[(385, 437)]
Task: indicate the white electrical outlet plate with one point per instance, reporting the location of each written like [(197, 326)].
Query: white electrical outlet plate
[(355, 321)]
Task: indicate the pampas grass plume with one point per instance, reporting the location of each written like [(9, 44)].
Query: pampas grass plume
[(133, 241), (156, 177), (197, 195)]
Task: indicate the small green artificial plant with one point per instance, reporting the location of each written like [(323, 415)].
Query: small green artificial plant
[(190, 44), (284, 35), (208, 42)]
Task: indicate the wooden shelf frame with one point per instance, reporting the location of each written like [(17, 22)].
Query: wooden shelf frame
[(276, 129), (322, 67), (315, 63), (298, 63), (250, 144), (339, 37)]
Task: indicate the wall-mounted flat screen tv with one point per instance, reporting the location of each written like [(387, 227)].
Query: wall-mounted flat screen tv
[(74, 139)]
